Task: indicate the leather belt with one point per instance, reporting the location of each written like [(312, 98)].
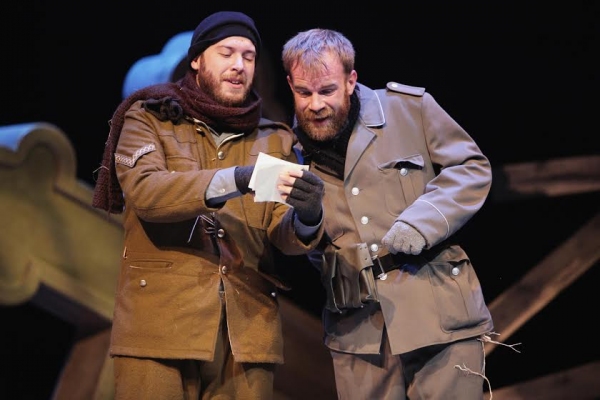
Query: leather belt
[(389, 262)]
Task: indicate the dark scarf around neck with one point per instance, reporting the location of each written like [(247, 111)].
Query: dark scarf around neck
[(175, 102)]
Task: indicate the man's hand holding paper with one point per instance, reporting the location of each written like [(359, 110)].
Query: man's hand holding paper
[(292, 184), (266, 177), (304, 191)]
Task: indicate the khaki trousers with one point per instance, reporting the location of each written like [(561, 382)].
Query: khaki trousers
[(165, 379)]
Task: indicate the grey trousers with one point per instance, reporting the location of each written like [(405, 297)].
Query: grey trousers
[(429, 373)]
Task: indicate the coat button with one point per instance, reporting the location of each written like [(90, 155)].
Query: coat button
[(403, 171), (143, 283), (221, 233), (220, 155), (455, 271), (364, 220), (224, 269), (355, 191)]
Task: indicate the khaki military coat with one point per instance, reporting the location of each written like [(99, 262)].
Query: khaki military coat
[(179, 252)]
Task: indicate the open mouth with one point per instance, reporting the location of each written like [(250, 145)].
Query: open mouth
[(235, 82), (320, 119)]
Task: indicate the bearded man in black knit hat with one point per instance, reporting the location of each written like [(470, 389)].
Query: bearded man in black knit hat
[(196, 311)]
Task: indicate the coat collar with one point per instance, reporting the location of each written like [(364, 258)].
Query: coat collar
[(371, 112)]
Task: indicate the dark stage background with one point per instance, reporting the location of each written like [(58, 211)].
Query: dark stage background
[(522, 80)]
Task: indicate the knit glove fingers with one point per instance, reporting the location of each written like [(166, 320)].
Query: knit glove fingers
[(242, 177), (306, 196), (403, 238)]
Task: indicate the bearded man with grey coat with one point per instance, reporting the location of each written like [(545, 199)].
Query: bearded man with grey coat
[(405, 316)]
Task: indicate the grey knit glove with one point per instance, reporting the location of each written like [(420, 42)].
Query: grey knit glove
[(306, 197), (403, 238), (242, 177)]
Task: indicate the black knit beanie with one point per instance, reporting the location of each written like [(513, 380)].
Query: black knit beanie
[(219, 26)]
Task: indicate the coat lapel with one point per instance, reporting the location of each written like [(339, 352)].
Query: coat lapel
[(371, 115)]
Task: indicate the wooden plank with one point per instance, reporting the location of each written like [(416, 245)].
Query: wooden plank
[(551, 178), (579, 383), (520, 302), (52, 234), (308, 369), (82, 372)]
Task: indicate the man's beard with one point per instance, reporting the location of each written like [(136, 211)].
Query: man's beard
[(335, 123), (211, 85)]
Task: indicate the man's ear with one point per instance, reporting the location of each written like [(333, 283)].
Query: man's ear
[(195, 64), (289, 81), (351, 82)]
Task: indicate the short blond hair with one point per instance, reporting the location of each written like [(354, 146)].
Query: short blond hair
[(307, 48)]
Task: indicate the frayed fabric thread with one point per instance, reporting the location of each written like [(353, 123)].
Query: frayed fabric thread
[(486, 339)]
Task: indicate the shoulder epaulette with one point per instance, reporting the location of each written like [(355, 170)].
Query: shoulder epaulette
[(267, 123), (400, 88)]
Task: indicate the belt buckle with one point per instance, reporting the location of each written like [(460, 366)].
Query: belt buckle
[(383, 275)]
